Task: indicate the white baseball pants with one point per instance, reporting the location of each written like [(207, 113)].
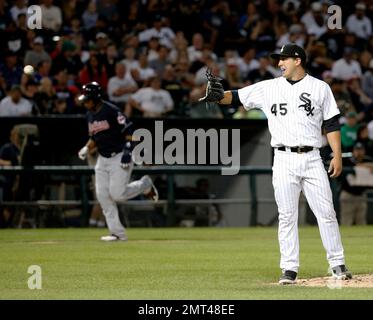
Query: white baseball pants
[(112, 186), (293, 173)]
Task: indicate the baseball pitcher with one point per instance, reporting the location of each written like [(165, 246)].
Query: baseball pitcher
[(297, 107)]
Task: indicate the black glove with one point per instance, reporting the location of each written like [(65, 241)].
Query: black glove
[(126, 159), (214, 89)]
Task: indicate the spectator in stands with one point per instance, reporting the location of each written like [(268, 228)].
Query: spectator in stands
[(37, 54), (173, 85), (160, 63), (43, 70), (144, 73), (9, 156), (165, 34), (102, 42), (108, 9), (152, 101), (249, 19), (346, 67), (334, 41), (358, 23), (314, 20), (295, 34), (260, 73), (180, 49), (31, 89), (121, 86), (359, 99), (16, 39), (207, 57), (248, 62), (69, 9), (214, 23), (22, 23), (364, 58), (353, 198), (94, 71), (20, 6), (342, 96), (365, 140), (233, 75), (2, 87), (367, 81), (90, 15), (183, 74), (14, 105), (349, 131), (65, 91), (52, 16), (5, 16), (317, 59), (11, 70), (110, 59), (45, 96), (195, 50), (59, 107), (74, 29), (130, 60), (152, 49), (67, 60)]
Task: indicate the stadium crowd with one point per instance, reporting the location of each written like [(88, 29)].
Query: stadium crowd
[(151, 56)]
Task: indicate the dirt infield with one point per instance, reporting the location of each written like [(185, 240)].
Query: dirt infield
[(358, 281)]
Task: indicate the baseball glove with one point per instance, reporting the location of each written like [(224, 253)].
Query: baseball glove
[(214, 89)]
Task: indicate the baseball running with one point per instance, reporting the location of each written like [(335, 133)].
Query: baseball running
[(110, 132)]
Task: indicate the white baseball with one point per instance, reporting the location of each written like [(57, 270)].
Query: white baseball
[(28, 69)]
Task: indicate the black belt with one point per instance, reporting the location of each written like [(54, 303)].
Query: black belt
[(297, 149)]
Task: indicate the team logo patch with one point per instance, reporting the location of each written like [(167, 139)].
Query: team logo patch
[(307, 103), (97, 126)]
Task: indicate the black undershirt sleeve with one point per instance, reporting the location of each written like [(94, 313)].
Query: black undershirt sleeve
[(236, 102), (332, 124)]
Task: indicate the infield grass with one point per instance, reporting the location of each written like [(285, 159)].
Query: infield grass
[(177, 263)]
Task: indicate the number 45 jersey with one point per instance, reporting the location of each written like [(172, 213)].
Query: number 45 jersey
[(295, 112)]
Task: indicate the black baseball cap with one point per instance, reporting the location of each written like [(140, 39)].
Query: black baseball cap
[(290, 50)]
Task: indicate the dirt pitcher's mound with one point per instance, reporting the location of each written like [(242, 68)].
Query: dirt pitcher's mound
[(358, 281)]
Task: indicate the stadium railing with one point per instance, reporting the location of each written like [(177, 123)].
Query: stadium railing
[(170, 202)]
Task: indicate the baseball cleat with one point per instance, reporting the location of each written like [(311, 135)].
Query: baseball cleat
[(151, 192), (288, 277), (341, 273), (114, 237)]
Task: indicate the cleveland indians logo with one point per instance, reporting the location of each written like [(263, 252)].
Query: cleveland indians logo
[(307, 103)]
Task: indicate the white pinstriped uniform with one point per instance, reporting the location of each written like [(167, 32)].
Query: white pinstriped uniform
[(295, 114)]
